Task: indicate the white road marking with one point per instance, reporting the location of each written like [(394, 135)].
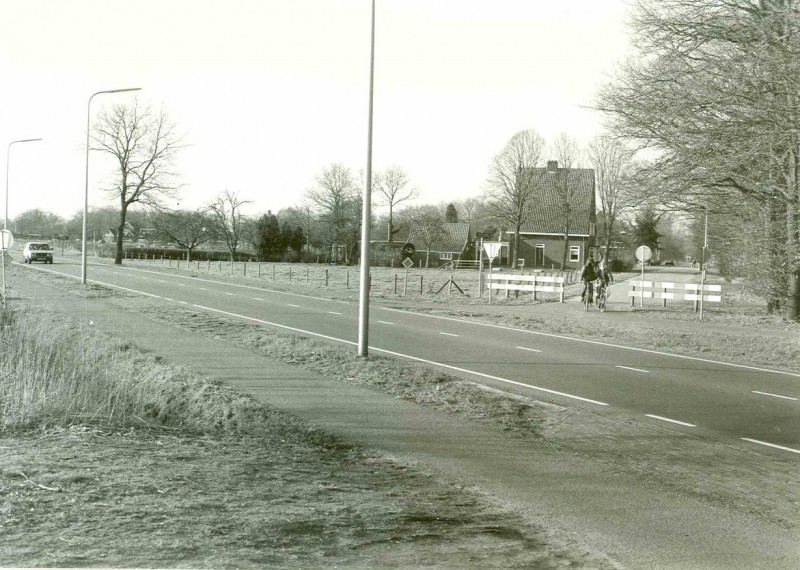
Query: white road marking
[(295, 306), (634, 369), (183, 302), (231, 294), (202, 288), (146, 278), (528, 349), (333, 313), (160, 280), (771, 445), (669, 420), (385, 322), (257, 299), (774, 395), (447, 334), (597, 342)]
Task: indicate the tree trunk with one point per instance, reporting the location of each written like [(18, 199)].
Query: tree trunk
[(118, 242)]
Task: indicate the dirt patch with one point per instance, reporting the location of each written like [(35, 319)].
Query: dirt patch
[(87, 496)]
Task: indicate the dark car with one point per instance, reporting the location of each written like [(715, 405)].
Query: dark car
[(37, 251), (669, 264)]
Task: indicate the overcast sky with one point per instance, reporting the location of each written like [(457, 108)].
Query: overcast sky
[(269, 92)]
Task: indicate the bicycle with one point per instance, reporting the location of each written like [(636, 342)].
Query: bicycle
[(587, 295), (600, 296)]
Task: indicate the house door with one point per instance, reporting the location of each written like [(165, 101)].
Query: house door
[(538, 256)]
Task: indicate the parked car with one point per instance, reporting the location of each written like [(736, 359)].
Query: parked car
[(37, 251), (669, 264)]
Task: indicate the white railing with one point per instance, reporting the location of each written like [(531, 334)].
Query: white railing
[(530, 283), (674, 291)]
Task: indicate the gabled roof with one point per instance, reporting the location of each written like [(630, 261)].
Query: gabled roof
[(545, 213), (448, 237)]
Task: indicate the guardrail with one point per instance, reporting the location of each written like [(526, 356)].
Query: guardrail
[(674, 291), (531, 283)]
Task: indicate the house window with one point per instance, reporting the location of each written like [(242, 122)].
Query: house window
[(575, 253)]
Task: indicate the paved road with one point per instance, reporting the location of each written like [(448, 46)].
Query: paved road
[(593, 504), (752, 406)]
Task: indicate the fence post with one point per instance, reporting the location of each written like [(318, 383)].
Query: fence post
[(664, 298), (290, 273), (633, 297), (198, 265), (220, 265), (348, 279), (420, 284), (273, 272), (169, 262), (306, 275), (395, 283), (245, 268), (259, 270), (326, 276), (534, 286)]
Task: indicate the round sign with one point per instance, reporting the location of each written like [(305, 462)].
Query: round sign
[(6, 239), (408, 250), (643, 253)]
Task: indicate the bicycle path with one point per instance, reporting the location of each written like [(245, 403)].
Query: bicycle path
[(584, 505)]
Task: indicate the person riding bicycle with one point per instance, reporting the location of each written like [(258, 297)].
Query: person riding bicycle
[(588, 275), (604, 278)]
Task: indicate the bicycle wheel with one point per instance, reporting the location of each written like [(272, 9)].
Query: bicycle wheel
[(601, 299)]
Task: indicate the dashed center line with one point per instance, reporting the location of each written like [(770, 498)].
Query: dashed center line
[(385, 322), (257, 299), (447, 334), (775, 395), (634, 369), (529, 349), (333, 313), (295, 306), (663, 419), (771, 445), (202, 288), (231, 294)]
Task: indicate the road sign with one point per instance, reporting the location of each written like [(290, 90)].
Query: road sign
[(643, 253), (492, 248), (408, 250), (6, 238), (407, 263)]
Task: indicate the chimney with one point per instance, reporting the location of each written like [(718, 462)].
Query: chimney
[(552, 166)]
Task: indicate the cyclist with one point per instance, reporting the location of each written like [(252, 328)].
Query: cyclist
[(588, 275)]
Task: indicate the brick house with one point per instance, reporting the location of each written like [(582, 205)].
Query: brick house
[(440, 243), (542, 235)]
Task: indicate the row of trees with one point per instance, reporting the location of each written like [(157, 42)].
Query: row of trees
[(713, 94)]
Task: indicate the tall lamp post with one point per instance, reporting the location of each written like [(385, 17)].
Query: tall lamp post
[(363, 292), (86, 188), (5, 223), (8, 157)]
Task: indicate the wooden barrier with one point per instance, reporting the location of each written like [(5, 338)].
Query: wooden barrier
[(531, 283), (674, 292)]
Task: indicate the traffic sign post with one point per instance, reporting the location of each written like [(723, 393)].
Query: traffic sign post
[(408, 264), (492, 248), (643, 253)]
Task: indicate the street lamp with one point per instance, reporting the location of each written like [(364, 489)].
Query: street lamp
[(363, 291), (5, 223), (8, 157), (86, 190)]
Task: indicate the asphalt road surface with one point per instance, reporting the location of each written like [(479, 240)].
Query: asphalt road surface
[(749, 404)]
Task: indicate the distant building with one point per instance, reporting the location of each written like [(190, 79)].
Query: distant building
[(439, 243), (542, 235)]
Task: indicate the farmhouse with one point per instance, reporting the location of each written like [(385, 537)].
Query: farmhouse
[(437, 243), (562, 197)]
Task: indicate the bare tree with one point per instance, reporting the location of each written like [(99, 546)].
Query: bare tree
[(714, 92), (188, 229), (567, 153), (612, 163), (144, 144), (510, 188), (337, 198), (229, 221), (426, 227), (392, 186)]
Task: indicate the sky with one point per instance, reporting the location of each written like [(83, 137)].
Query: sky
[(267, 93)]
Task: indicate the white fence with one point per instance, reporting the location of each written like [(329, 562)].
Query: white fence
[(674, 291), (530, 283)]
